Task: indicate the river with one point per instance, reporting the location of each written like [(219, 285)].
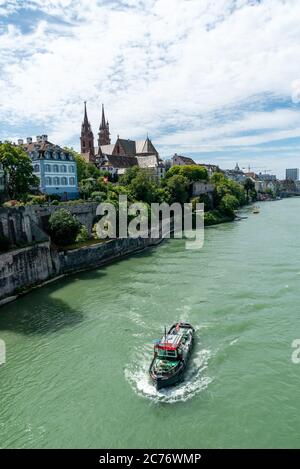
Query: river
[(78, 349)]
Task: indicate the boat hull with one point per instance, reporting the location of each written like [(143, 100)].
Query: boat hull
[(178, 376)]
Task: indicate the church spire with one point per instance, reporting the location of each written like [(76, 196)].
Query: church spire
[(87, 138), (103, 124), (104, 134)]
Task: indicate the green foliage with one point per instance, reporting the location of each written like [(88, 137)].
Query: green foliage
[(98, 196), (4, 243), (55, 202), (177, 185), (249, 187), (229, 204), (129, 175), (36, 200), (18, 172), (143, 188), (192, 172), (83, 234), (214, 217), (63, 227)]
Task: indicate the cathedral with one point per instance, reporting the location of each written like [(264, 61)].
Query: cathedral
[(88, 150), (122, 154)]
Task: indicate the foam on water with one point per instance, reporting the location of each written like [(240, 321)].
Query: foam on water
[(194, 379)]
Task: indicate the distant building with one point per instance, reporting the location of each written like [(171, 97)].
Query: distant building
[(121, 155), (266, 177), (235, 174), (182, 160), (55, 167), (116, 165), (292, 174)]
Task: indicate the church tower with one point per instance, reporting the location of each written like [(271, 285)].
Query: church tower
[(103, 135), (87, 139)]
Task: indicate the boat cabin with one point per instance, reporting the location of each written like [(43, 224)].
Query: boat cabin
[(168, 347)]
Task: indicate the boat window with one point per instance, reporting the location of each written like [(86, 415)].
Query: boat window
[(166, 353)]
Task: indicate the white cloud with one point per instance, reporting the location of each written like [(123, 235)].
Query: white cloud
[(191, 73)]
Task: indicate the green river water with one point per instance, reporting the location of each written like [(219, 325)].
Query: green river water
[(78, 350)]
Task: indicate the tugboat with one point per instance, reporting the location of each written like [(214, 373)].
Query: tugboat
[(171, 355)]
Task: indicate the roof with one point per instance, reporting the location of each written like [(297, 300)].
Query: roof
[(145, 146), (128, 145), (170, 341), (185, 159), (107, 149), (43, 147), (118, 161)]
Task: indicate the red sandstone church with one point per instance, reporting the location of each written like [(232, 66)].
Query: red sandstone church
[(123, 154)]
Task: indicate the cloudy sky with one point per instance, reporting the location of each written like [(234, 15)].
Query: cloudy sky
[(218, 80)]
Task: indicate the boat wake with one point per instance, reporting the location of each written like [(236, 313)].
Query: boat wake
[(194, 382)]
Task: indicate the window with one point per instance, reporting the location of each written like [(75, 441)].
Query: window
[(48, 168), (55, 168), (72, 169), (64, 182), (72, 181), (83, 143), (36, 168), (48, 181), (56, 181), (63, 168)]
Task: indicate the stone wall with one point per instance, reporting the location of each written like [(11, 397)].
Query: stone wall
[(28, 224), (19, 227), (22, 268), (200, 188), (27, 266)]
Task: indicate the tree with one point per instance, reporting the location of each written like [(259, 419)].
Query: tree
[(249, 186), (143, 188), (63, 227), (193, 172), (19, 179), (229, 204), (177, 186), (129, 175)]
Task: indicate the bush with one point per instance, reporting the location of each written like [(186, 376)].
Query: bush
[(4, 243), (12, 203), (83, 234), (63, 227), (98, 196), (55, 202), (36, 200)]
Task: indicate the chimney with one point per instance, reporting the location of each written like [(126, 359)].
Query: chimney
[(29, 140), (20, 141), (44, 138)]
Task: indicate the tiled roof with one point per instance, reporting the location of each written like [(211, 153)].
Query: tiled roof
[(117, 161), (107, 149), (42, 147), (186, 159)]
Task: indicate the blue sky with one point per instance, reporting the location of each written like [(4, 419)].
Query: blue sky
[(215, 80)]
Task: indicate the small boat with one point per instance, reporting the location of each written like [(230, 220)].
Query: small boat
[(256, 210), (171, 355)]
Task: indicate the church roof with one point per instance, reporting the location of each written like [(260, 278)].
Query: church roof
[(107, 149), (118, 161), (128, 145)]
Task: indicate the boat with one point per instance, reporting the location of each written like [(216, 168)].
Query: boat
[(256, 210), (171, 355)]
